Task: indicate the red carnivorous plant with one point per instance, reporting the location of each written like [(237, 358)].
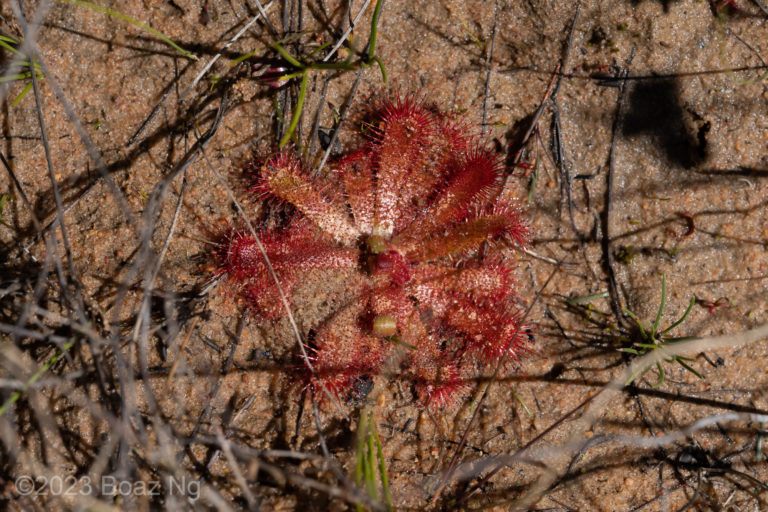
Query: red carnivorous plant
[(415, 213)]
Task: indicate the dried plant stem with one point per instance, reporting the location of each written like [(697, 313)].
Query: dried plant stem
[(609, 392)]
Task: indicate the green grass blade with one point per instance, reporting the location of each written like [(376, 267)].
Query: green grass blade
[(374, 30), (132, 21), (382, 470), (370, 469), (4, 44), (319, 49), (588, 298), (243, 57), (682, 318), (290, 76), (689, 368), (521, 402), (13, 78), (21, 95), (661, 376), (381, 67), (287, 56), (296, 112)]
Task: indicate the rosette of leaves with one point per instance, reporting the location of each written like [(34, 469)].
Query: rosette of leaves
[(415, 215)]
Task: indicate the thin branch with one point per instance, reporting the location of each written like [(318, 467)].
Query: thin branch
[(262, 13), (342, 117), (566, 183), (490, 69), (607, 234), (347, 32), (23, 195)]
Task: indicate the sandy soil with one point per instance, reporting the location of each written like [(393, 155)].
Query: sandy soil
[(687, 160)]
